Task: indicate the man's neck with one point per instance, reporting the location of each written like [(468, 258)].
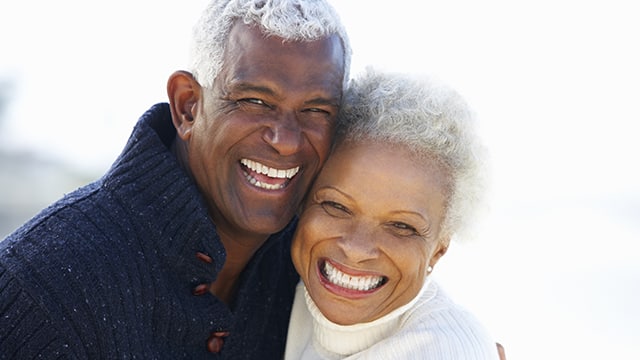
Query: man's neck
[(238, 246), (239, 252)]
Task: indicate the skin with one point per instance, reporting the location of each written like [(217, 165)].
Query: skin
[(501, 352), (274, 103), (373, 211)]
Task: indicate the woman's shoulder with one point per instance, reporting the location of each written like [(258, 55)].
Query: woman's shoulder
[(436, 310), (441, 328)]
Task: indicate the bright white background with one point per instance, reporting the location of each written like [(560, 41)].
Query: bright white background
[(554, 272)]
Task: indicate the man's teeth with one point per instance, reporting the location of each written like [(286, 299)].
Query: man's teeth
[(264, 185), (360, 283), (269, 171)]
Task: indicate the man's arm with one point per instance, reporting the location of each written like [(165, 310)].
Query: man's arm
[(26, 331)]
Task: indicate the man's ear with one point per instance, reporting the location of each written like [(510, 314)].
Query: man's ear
[(184, 94)]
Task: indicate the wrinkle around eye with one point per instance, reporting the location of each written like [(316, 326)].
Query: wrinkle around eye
[(403, 229), (330, 107), (254, 101), (335, 209), (318, 111)]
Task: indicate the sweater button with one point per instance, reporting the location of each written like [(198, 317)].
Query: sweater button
[(204, 257), (201, 289), (216, 340)]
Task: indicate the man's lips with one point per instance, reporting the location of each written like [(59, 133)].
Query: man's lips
[(265, 177), (338, 280)]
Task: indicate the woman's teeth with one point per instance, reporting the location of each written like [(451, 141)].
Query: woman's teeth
[(360, 283)]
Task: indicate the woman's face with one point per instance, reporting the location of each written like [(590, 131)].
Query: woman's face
[(369, 231)]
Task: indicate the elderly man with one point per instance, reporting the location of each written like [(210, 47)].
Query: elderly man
[(181, 250)]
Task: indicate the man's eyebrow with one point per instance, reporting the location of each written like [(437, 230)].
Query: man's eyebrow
[(260, 89), (243, 86), (323, 101)]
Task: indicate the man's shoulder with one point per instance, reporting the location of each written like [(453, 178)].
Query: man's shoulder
[(68, 235)]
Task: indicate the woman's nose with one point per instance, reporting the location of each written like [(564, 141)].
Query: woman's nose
[(359, 244)]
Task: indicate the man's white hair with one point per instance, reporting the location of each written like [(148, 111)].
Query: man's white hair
[(292, 20)]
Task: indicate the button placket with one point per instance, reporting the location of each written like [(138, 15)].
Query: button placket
[(216, 339), (202, 288)]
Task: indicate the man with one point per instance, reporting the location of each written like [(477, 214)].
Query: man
[(181, 250)]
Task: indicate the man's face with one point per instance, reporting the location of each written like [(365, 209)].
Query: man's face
[(262, 133)]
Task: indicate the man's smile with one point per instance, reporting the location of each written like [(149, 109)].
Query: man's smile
[(265, 177)]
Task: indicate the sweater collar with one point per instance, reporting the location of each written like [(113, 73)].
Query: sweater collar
[(148, 177), (350, 339)]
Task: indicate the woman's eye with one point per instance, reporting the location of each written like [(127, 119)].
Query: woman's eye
[(335, 209), (403, 229)]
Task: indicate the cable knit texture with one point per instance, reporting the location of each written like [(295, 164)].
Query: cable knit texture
[(429, 327), (109, 270)]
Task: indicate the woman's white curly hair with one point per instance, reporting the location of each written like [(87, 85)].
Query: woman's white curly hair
[(429, 119), (292, 20)]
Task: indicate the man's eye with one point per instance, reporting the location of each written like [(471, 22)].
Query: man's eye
[(255, 101), (335, 209), (318, 110)]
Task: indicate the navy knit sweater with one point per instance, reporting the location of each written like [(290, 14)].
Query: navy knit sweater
[(109, 271)]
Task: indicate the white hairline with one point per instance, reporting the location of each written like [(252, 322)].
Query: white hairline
[(291, 20), (429, 119)]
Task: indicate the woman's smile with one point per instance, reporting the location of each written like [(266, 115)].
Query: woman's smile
[(336, 280)]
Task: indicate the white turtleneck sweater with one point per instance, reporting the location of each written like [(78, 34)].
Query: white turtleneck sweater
[(431, 326)]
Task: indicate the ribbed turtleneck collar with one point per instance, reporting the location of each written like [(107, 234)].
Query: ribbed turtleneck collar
[(345, 340)]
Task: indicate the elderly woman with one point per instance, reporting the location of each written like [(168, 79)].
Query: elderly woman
[(402, 181)]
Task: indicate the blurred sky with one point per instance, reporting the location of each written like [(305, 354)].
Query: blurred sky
[(554, 272)]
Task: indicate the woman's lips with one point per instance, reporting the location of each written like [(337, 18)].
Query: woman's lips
[(348, 284)]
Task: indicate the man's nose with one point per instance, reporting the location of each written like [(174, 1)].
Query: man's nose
[(284, 134)]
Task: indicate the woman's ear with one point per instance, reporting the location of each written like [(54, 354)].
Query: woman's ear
[(441, 249), (184, 94)]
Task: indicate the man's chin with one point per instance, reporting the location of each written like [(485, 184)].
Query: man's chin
[(268, 225)]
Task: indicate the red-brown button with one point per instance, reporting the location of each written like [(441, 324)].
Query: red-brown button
[(201, 289), (216, 340), (204, 257)]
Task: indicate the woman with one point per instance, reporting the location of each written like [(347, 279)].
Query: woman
[(403, 179)]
